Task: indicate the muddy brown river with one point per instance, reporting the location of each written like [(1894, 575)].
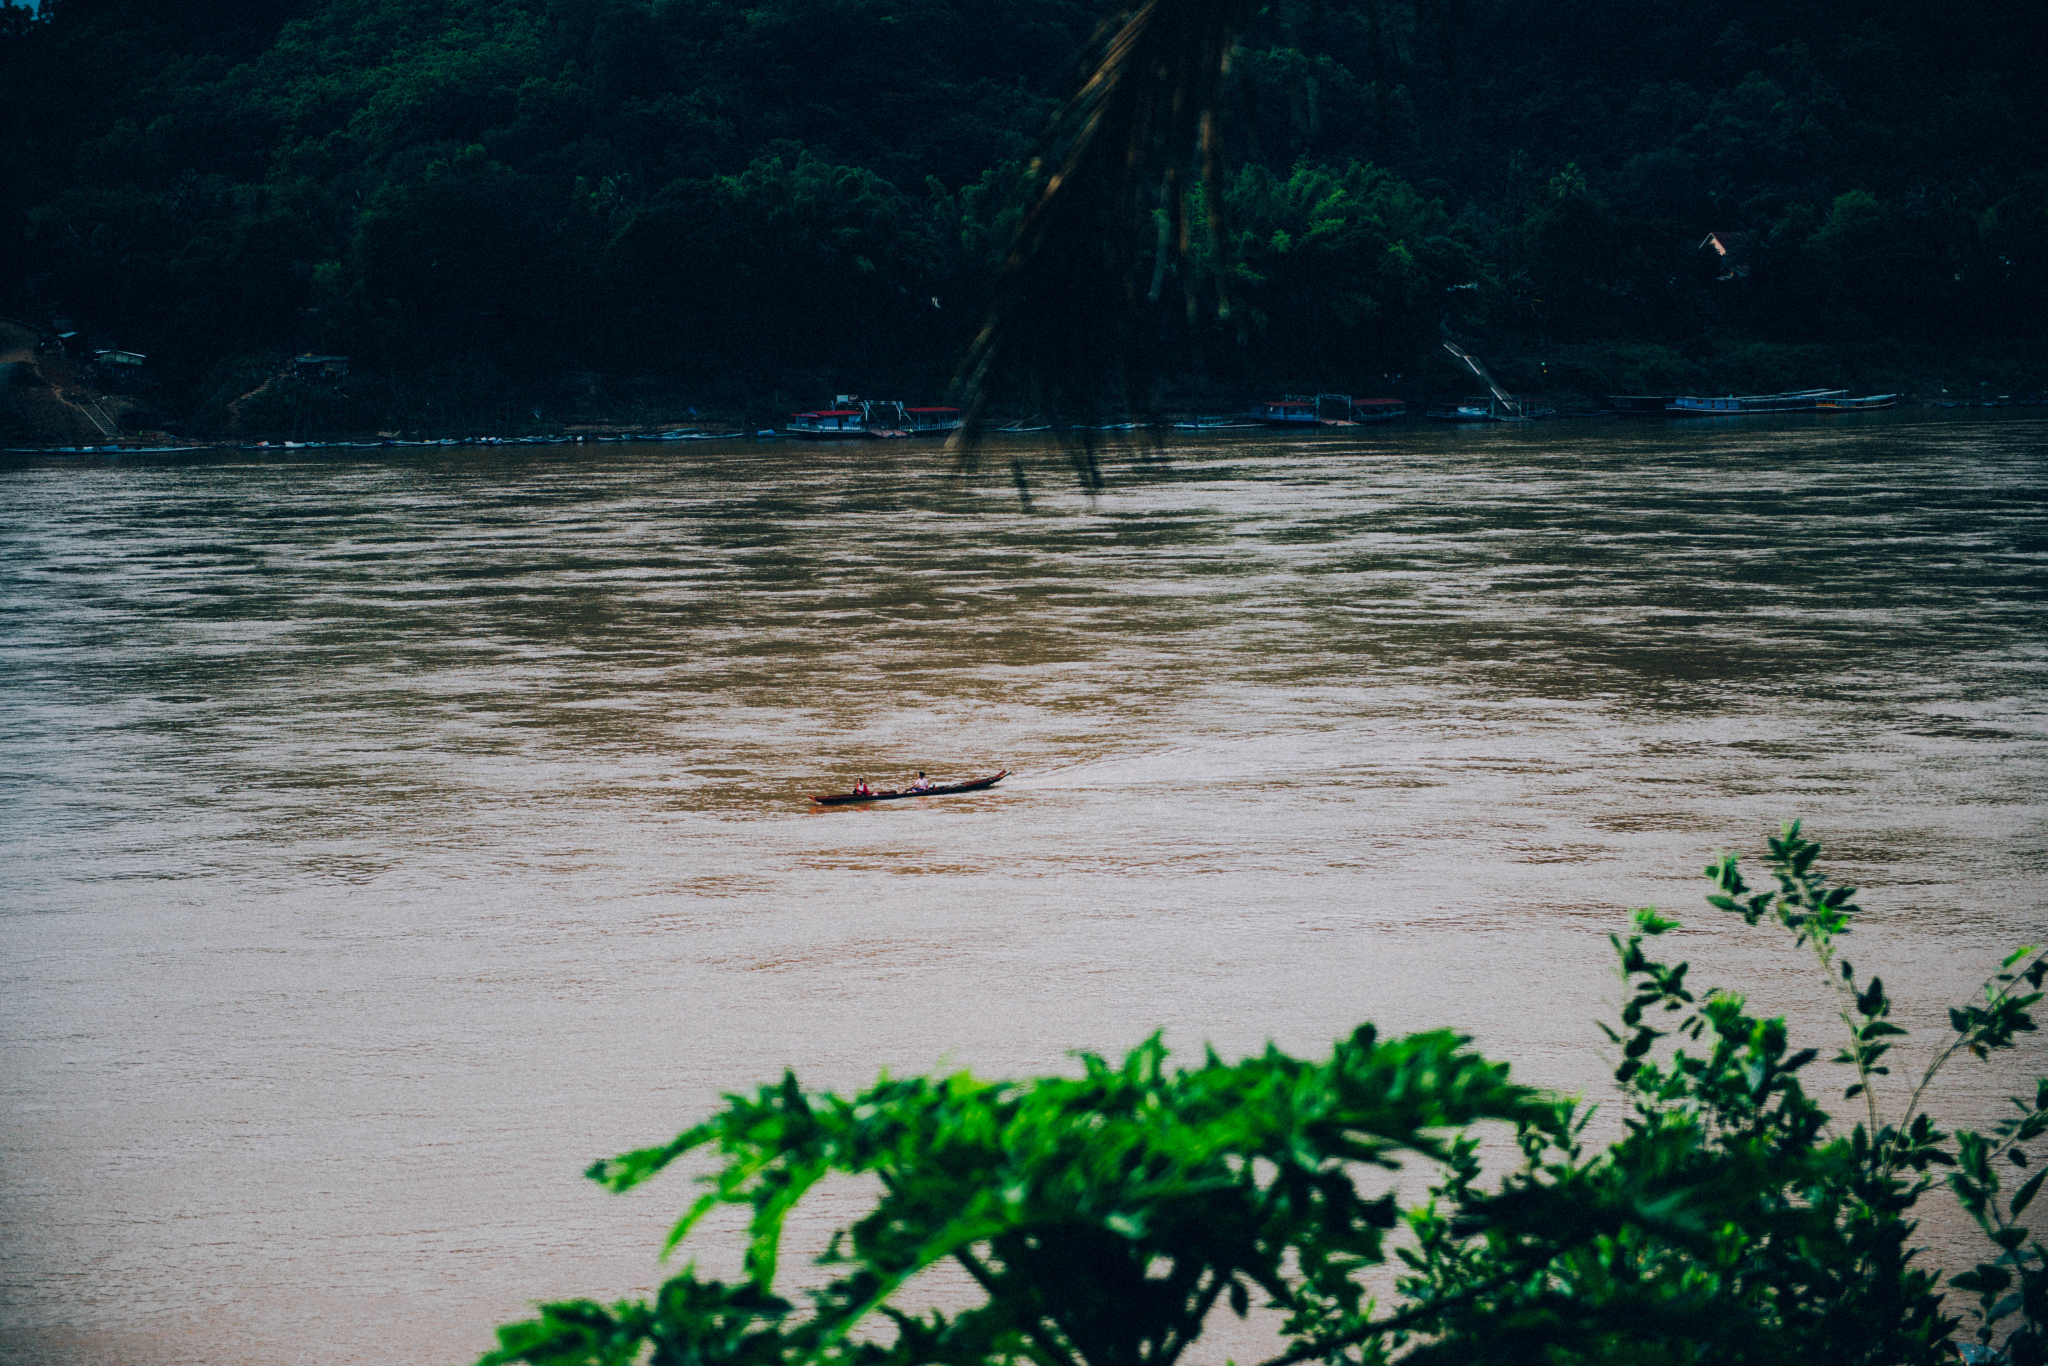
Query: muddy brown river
[(384, 835)]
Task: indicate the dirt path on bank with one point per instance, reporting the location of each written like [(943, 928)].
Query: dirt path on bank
[(17, 344), (42, 397)]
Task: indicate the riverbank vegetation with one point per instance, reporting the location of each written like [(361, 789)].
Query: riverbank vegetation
[(606, 206), (1105, 1218)]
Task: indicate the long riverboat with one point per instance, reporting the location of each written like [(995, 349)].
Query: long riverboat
[(948, 789), (829, 424), (1802, 401), (1326, 410), (1365, 410), (850, 418), (931, 421), (1291, 411)]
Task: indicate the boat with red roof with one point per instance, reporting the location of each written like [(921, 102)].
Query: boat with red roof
[(830, 424), (1327, 410), (851, 416), (1290, 411), (931, 421)]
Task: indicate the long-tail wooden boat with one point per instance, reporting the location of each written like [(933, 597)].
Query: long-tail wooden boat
[(1803, 401), (846, 798)]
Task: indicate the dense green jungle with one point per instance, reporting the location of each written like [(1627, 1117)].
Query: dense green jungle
[(532, 211)]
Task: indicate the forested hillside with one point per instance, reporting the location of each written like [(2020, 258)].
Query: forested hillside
[(521, 205)]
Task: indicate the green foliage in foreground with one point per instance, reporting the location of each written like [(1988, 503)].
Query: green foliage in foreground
[(1107, 1216)]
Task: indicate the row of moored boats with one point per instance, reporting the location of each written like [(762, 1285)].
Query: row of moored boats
[(851, 417), (581, 438), (1799, 401), (1341, 410)]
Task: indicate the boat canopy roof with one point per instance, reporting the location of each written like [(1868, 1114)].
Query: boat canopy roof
[(831, 412)]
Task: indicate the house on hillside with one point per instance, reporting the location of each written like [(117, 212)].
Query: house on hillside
[(120, 372), (1733, 250)]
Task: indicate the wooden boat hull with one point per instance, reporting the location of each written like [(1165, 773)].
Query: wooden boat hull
[(850, 798), (1805, 401)]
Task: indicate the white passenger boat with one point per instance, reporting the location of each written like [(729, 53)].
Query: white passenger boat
[(829, 424)]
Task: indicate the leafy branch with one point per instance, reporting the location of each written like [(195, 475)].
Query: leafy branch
[(1104, 1217)]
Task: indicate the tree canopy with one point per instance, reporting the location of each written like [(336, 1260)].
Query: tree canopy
[(808, 192)]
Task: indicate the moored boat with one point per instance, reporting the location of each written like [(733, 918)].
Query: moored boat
[(1801, 401), (829, 424), (1858, 405), (885, 417), (851, 416), (1482, 408), (1326, 410), (1214, 424), (1291, 411), (849, 798), (931, 421), (1364, 410)]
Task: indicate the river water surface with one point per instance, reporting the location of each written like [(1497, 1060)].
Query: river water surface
[(382, 839)]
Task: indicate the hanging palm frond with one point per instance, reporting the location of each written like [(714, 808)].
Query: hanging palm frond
[(1107, 216)]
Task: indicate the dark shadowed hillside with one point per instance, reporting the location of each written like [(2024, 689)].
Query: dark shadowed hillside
[(498, 208)]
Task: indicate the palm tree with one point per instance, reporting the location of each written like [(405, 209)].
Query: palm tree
[(1106, 215)]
